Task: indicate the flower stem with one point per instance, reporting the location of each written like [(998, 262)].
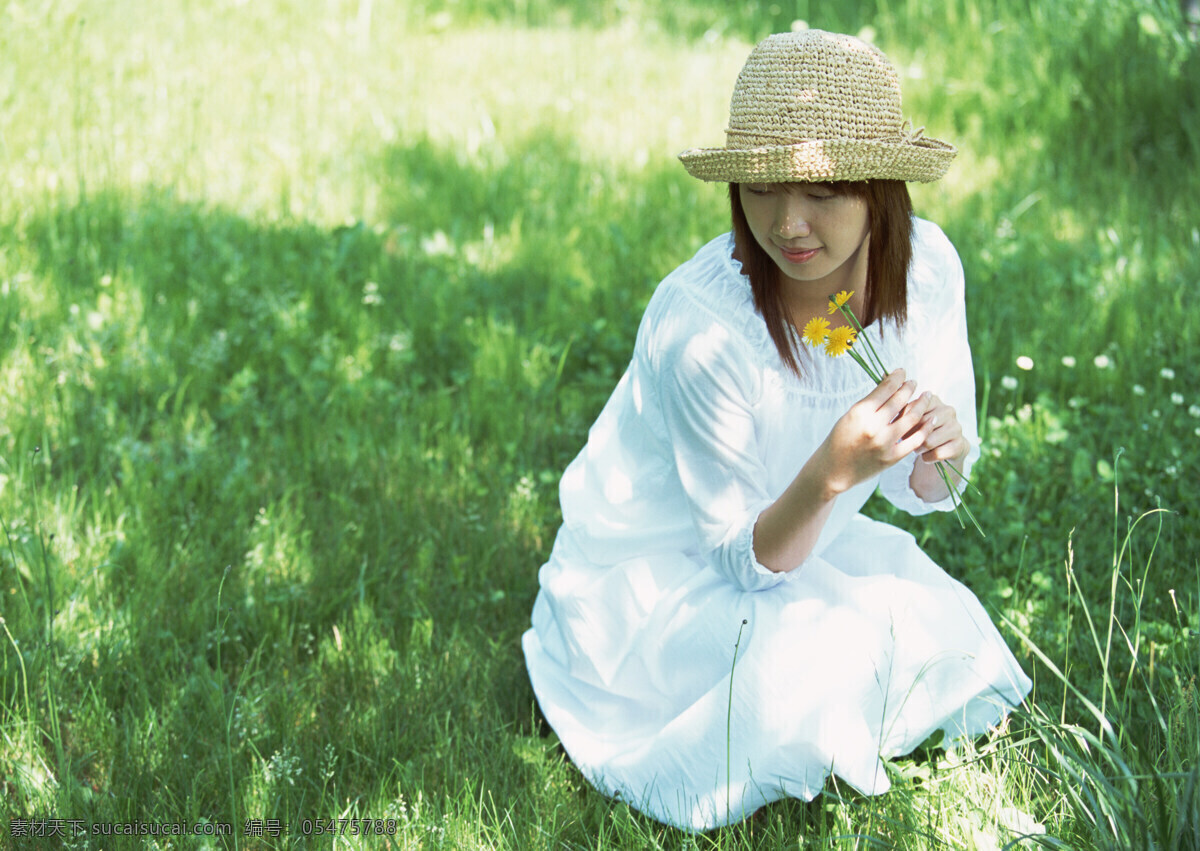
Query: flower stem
[(866, 367), (849, 314), (956, 499), (958, 473)]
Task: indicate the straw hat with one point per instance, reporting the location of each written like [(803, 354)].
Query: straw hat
[(815, 106)]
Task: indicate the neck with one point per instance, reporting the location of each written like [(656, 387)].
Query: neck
[(806, 299)]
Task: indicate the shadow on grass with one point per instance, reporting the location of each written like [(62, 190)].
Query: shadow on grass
[(309, 472)]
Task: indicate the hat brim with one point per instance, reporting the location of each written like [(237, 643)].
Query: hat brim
[(922, 160)]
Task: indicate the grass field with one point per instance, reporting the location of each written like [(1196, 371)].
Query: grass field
[(304, 307)]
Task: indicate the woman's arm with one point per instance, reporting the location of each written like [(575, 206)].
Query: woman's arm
[(878, 430)]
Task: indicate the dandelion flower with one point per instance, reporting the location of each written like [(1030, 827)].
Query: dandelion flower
[(1008, 382), (1025, 363), (839, 341), (815, 331), (1102, 361), (1167, 373), (837, 301)]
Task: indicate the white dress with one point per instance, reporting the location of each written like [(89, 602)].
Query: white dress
[(859, 654)]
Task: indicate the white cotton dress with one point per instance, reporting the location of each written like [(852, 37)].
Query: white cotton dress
[(860, 653)]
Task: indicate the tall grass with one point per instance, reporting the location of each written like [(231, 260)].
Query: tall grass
[(304, 308)]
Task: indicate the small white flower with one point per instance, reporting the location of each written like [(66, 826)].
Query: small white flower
[(1139, 390), (1025, 363), (1194, 410), (1075, 402), (1177, 398), (1008, 382), (1102, 361), (400, 342), (1068, 361), (1167, 373), (438, 245)]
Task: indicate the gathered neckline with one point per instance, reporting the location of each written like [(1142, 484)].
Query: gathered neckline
[(823, 375)]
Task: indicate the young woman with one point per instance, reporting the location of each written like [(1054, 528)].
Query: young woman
[(718, 626)]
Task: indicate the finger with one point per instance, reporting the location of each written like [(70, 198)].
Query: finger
[(944, 446), (923, 406), (925, 429), (911, 413), (911, 442), (938, 453), (941, 440), (934, 426), (935, 439), (897, 405), (884, 389), (940, 416)]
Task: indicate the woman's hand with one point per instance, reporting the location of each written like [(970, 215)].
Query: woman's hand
[(880, 429), (945, 441)]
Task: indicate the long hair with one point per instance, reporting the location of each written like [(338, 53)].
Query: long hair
[(889, 253)]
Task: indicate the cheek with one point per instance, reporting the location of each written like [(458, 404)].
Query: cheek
[(757, 208), (857, 222), (850, 227), (760, 219), (856, 232)]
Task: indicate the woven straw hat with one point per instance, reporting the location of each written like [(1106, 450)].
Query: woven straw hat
[(814, 106)]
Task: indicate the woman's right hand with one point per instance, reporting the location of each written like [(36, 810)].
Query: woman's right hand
[(878, 430)]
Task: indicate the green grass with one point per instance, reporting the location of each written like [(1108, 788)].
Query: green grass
[(305, 307)]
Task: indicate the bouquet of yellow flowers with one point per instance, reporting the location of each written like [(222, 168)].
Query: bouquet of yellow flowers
[(840, 341)]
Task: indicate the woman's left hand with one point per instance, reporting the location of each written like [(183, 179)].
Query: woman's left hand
[(945, 441)]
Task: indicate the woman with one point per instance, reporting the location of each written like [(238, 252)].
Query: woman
[(717, 626)]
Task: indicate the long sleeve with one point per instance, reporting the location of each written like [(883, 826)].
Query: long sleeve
[(940, 358), (707, 393)]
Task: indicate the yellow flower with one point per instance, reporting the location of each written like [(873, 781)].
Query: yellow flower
[(814, 332), (840, 340), (836, 301)]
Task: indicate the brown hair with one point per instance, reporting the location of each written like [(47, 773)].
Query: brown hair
[(889, 252)]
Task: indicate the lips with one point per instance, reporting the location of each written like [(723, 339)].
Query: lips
[(798, 255)]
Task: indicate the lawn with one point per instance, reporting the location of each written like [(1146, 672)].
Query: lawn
[(304, 307)]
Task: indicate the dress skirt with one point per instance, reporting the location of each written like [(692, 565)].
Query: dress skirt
[(709, 701)]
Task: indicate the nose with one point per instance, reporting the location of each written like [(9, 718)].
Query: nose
[(791, 222)]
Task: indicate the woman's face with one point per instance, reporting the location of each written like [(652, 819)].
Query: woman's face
[(814, 234)]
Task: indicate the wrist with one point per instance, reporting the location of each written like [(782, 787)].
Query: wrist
[(823, 483)]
